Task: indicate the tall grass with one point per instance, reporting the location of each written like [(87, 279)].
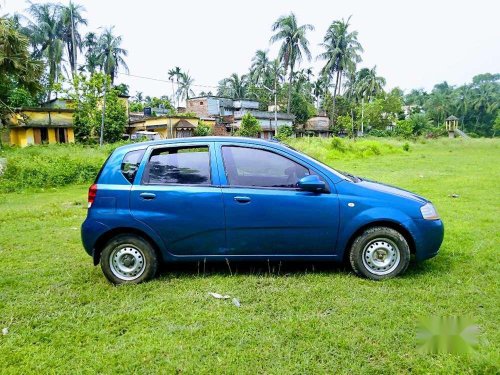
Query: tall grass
[(329, 150), (51, 165)]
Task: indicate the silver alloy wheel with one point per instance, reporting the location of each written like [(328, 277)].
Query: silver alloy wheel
[(381, 256), (127, 263)]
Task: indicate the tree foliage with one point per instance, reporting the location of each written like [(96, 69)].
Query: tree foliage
[(203, 129), (87, 94), (250, 126), (20, 74)]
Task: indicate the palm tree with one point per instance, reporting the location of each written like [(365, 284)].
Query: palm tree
[(294, 45), (260, 66), (110, 54), (341, 54), (174, 73), (367, 85), (319, 89), (45, 32), (17, 67), (72, 18), (91, 44), (234, 87), (185, 83)]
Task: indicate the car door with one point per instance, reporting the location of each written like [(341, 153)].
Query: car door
[(265, 213), (179, 197)]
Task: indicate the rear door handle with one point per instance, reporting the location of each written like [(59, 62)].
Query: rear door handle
[(242, 199), (148, 196)]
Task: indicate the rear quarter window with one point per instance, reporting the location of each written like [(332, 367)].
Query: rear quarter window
[(130, 164)]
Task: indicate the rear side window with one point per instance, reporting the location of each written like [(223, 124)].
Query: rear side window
[(130, 164), (178, 165)]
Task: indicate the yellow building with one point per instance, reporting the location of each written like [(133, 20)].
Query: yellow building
[(167, 126), (33, 126)]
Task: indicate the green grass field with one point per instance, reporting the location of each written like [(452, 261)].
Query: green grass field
[(63, 317)]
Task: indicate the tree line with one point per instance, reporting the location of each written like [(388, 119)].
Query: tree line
[(40, 49)]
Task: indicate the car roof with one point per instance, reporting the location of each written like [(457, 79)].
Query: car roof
[(243, 140)]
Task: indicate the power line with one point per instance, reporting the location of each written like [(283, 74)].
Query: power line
[(164, 80)]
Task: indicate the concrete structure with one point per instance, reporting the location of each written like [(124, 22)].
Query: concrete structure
[(33, 126), (229, 112), (451, 126)]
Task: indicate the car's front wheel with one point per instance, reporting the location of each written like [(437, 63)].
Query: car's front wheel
[(128, 259), (380, 253)]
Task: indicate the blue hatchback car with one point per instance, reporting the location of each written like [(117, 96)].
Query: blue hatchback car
[(218, 198)]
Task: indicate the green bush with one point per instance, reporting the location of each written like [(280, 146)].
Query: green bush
[(379, 133), (338, 144), (284, 132), (203, 129), (51, 165), (250, 126), (406, 146)]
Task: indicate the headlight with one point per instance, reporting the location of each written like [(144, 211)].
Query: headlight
[(429, 212)]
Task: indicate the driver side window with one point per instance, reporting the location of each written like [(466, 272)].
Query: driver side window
[(260, 168)]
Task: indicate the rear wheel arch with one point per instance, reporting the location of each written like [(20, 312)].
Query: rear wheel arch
[(107, 236), (380, 223)]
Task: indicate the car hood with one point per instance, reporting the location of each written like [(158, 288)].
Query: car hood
[(388, 189)]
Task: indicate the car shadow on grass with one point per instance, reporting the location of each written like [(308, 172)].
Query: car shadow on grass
[(287, 268), (257, 268)]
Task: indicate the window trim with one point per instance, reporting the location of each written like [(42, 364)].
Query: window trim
[(255, 147), (178, 146)]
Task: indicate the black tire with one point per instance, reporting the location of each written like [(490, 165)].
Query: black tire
[(380, 253), (141, 257)]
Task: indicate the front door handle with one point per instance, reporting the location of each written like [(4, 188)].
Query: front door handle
[(242, 199), (148, 196)]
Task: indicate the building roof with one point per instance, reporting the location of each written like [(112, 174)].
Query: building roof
[(318, 123), (136, 118), (43, 109), (452, 118), (184, 124)]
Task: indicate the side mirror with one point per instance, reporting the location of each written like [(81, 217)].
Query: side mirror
[(311, 183)]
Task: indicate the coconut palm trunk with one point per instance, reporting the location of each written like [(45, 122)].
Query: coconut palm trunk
[(334, 98)]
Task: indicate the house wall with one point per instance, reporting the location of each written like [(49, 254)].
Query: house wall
[(162, 125), (23, 126), (200, 106)]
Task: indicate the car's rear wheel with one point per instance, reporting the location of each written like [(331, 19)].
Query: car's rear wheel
[(128, 259), (380, 253)]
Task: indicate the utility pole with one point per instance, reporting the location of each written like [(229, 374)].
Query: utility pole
[(274, 92), (275, 111), (101, 140)]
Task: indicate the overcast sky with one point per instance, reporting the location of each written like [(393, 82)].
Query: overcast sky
[(413, 44)]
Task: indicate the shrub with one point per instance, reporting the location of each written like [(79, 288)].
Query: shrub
[(203, 129), (404, 128), (379, 133), (406, 146), (284, 132), (250, 126), (338, 144), (51, 166)]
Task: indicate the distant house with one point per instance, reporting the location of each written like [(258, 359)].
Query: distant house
[(316, 126), (229, 112), (168, 126), (34, 126), (51, 122)]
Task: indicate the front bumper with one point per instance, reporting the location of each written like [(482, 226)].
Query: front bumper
[(428, 236)]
